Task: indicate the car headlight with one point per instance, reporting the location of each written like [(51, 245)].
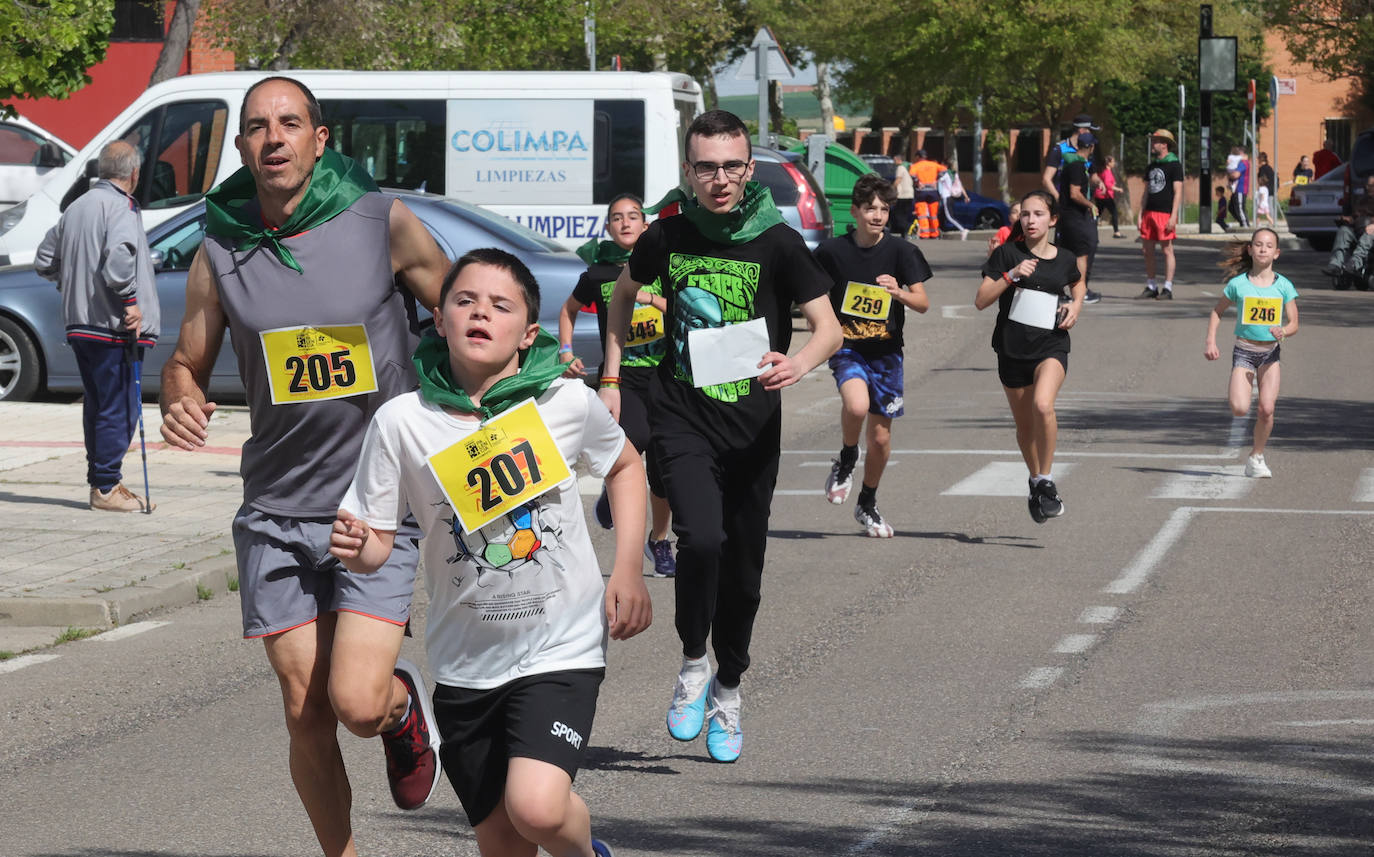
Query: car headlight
[(10, 217)]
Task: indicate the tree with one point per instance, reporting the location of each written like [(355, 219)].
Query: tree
[(175, 43), (49, 44), (1336, 37)]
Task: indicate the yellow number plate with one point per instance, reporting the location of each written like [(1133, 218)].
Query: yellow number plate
[(865, 301), (646, 326), (505, 463), (310, 364), (1262, 311)]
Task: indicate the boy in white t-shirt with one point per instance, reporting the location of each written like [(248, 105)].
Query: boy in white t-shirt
[(482, 454)]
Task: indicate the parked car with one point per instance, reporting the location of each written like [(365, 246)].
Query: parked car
[(29, 156), (980, 212), (795, 192), (33, 350), (883, 165), (1313, 207)]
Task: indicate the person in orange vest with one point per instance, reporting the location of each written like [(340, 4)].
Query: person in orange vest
[(925, 174)]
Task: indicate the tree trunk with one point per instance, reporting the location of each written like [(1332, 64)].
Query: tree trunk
[(1003, 176), (823, 95), (289, 45), (176, 42), (775, 106)]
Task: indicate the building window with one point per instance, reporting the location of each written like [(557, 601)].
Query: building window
[(1340, 132), (136, 21)]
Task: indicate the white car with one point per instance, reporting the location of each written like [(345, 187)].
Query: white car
[(29, 156), (1313, 208)]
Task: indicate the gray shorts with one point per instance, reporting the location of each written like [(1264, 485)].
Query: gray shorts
[(1253, 358), (287, 576)]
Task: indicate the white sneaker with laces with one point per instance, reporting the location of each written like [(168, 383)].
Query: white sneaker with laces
[(1255, 468), (838, 483), (872, 522)]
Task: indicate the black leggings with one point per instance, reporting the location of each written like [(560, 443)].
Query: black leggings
[(721, 500), (1105, 204)]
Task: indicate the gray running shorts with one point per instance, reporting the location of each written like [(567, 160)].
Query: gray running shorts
[(287, 576)]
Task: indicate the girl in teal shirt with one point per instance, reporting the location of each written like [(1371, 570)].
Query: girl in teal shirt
[(1267, 314)]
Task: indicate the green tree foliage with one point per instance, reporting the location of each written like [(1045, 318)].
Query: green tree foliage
[(1336, 37), (49, 44)]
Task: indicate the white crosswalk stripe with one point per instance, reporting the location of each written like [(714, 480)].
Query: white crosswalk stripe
[(1206, 482), (1364, 489), (999, 479)]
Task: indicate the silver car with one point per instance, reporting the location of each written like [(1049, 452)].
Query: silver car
[(34, 354), (795, 193)]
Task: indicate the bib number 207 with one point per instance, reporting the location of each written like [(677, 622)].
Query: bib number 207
[(319, 372), (503, 474)]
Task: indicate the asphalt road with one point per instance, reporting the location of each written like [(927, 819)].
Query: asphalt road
[(1182, 665)]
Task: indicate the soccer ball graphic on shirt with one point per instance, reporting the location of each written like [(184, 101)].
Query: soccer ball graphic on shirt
[(509, 544)]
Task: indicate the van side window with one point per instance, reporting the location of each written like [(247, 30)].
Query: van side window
[(618, 149), (181, 145), (399, 143)]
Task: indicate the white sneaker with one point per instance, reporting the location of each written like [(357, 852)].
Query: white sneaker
[(838, 483), (872, 522), (1255, 468)]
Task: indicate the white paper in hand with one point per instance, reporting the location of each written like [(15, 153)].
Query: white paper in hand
[(723, 354), (1037, 309)]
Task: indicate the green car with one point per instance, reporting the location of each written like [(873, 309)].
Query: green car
[(842, 170)]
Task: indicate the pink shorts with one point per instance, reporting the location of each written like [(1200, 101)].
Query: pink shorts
[(1154, 226)]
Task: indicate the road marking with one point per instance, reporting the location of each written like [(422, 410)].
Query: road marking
[(1307, 724), (954, 311), (1099, 615), (1364, 490), (1058, 453), (998, 479), (1041, 677), (22, 661), (1075, 644), (1144, 562), (1206, 482), (126, 631)]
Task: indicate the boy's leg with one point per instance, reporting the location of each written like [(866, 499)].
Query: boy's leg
[(853, 409), (879, 449), (544, 810), (497, 836)]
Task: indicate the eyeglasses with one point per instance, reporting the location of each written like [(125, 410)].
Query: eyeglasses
[(706, 170)]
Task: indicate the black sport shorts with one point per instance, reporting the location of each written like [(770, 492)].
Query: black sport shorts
[(1016, 373)]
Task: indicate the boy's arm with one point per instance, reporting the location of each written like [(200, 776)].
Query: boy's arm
[(912, 296), (360, 548), (627, 604), (658, 302), (567, 320)]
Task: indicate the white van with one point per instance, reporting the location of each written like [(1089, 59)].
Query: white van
[(547, 149)]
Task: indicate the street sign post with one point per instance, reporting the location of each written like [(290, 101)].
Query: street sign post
[(770, 63)]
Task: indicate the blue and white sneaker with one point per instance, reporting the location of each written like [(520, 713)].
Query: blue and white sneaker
[(661, 552), (724, 737), (687, 712), (601, 849)]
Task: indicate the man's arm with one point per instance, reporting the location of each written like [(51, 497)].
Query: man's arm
[(415, 256), (1178, 201), (1047, 180), (826, 338), (619, 309), (47, 262), (186, 375)]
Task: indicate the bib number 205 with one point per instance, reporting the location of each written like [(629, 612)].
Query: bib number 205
[(319, 372)]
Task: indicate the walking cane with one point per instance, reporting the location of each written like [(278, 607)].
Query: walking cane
[(137, 365)]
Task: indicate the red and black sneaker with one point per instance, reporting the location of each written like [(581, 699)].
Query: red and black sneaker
[(412, 749)]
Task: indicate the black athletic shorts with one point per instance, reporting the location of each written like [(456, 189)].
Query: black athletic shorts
[(1016, 373), (1077, 234), (546, 717)]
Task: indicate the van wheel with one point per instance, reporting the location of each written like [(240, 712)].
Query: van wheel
[(19, 368)]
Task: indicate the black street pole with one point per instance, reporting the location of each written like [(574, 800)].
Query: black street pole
[(1204, 189)]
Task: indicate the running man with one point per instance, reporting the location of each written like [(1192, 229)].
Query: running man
[(301, 261), (876, 277), (731, 270)]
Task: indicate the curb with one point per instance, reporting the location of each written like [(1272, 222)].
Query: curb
[(108, 610)]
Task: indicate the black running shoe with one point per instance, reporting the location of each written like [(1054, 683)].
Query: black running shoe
[(1091, 297), (1050, 504), (1148, 294), (1166, 294), (1033, 503)]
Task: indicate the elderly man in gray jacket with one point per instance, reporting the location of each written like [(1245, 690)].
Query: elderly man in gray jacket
[(98, 254)]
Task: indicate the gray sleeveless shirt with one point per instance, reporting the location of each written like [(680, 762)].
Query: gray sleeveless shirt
[(318, 352)]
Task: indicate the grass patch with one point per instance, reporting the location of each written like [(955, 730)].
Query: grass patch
[(6, 654), (178, 565), (204, 593), (231, 583), (74, 633)]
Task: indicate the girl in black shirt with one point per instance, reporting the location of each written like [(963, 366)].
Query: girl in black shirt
[(1039, 293)]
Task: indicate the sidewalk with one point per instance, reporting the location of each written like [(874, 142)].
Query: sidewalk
[(63, 565)]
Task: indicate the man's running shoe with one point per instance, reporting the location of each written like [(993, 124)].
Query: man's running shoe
[(412, 749), (1148, 294), (872, 522), (1050, 504), (840, 480), (1255, 468), (1166, 294), (602, 511), (687, 711), (601, 849), (724, 737), (1033, 503), (661, 552), (1091, 297)]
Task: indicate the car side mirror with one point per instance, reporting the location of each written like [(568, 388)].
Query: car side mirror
[(157, 258), (92, 170), (49, 156)]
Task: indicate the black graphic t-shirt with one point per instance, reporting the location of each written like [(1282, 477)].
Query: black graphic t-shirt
[(1159, 185), (714, 285), (645, 344), (872, 320), (1022, 341)]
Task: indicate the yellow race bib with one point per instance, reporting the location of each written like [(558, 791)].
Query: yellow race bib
[(310, 364), (507, 462), (646, 325), (1262, 311), (866, 301)]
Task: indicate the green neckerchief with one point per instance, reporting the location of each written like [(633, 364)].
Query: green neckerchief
[(754, 215), (1166, 159), (1074, 158), (539, 366), (596, 252), (336, 183)]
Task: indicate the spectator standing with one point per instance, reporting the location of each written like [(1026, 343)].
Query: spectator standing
[(1325, 159), (1303, 172), (98, 254), (1159, 215), (1266, 193), (950, 187), (926, 175), (906, 192), (1104, 194), (1240, 185)]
